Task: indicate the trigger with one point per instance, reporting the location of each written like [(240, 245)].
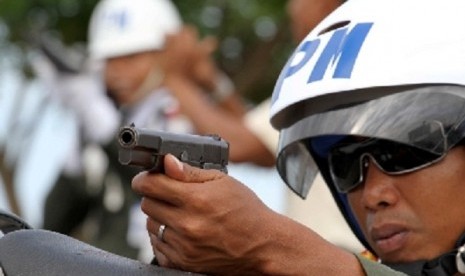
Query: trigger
[(184, 156)]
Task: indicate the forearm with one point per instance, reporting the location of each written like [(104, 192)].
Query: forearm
[(234, 105), (224, 93), (218, 226), (293, 249), (208, 118)]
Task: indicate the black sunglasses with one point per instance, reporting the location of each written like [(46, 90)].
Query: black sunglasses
[(348, 160)]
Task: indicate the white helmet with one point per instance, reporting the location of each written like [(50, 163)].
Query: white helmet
[(386, 43), (387, 69), (121, 27)]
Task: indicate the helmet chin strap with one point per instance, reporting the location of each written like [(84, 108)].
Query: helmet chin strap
[(460, 259), (447, 264), (153, 80)]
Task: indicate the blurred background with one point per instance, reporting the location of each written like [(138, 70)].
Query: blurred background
[(36, 130)]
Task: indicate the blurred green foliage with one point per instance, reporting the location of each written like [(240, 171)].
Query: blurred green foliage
[(254, 39)]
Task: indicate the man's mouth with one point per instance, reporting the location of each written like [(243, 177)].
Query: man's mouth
[(389, 238)]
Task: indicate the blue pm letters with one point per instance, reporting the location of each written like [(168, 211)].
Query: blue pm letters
[(118, 18), (342, 48)]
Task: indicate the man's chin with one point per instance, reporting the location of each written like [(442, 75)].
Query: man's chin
[(403, 257), (124, 98)]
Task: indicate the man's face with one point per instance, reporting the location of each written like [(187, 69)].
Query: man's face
[(413, 216), (306, 14), (125, 74)]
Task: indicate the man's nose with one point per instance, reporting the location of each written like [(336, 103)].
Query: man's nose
[(379, 188)]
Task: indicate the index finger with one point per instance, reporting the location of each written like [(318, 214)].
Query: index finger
[(179, 181)]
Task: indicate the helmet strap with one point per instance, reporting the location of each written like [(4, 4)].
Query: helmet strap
[(152, 81), (447, 264)]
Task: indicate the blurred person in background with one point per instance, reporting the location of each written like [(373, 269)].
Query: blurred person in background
[(145, 52), (253, 139)]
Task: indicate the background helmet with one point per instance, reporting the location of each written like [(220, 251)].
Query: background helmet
[(122, 27), (389, 69)]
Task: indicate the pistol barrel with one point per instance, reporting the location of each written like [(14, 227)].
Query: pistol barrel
[(146, 148), (127, 137)]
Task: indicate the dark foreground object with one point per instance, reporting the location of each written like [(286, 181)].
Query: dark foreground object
[(41, 252)]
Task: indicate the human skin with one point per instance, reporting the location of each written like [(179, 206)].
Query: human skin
[(412, 216), (217, 225), (211, 227), (184, 53), (189, 59), (125, 74), (224, 118), (304, 15)]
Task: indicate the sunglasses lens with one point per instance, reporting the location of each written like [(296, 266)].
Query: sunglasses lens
[(398, 158), (345, 171), (346, 160)]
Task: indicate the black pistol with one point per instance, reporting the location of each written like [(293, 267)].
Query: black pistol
[(146, 148)]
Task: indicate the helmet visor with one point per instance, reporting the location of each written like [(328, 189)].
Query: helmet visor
[(421, 123)]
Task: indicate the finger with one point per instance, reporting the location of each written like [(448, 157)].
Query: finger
[(168, 243), (171, 255), (169, 234), (162, 260), (188, 38), (190, 30), (209, 44), (186, 173), (159, 211), (153, 227), (158, 187), (176, 185)]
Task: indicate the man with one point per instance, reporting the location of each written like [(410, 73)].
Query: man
[(137, 42), (374, 98)]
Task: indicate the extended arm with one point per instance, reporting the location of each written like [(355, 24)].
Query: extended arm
[(192, 76), (216, 225), (208, 118)]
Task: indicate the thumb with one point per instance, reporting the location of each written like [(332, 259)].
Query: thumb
[(209, 44), (178, 170)]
